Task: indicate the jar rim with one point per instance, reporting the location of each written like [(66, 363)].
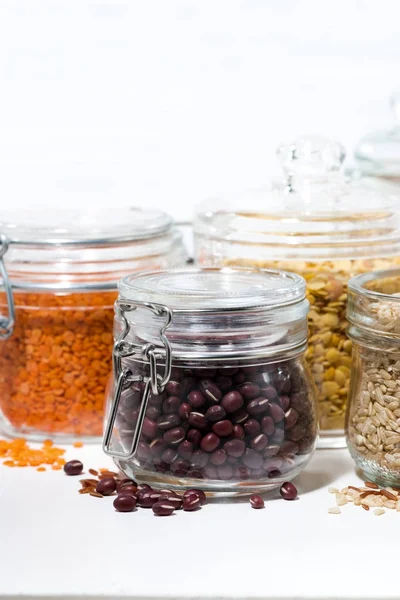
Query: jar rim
[(358, 282), (371, 312), (208, 289)]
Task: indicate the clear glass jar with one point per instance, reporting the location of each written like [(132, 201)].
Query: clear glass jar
[(377, 154), (59, 275), (373, 413), (211, 386), (322, 226)]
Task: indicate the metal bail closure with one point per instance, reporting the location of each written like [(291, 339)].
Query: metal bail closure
[(6, 322), (155, 383)]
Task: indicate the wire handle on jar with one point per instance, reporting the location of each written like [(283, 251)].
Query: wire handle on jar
[(155, 383), (6, 322)]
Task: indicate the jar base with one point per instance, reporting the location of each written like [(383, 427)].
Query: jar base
[(331, 439), (40, 436), (213, 489), (371, 471)]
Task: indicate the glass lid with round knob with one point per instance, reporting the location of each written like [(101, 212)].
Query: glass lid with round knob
[(378, 153), (314, 213)]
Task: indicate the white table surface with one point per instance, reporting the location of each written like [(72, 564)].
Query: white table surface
[(56, 543)]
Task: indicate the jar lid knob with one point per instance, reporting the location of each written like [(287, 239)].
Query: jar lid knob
[(311, 157)]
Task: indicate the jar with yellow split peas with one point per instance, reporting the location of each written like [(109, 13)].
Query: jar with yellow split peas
[(59, 272), (317, 223)]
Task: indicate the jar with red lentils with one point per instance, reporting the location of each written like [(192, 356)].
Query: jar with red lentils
[(211, 388), (319, 224), (59, 272)]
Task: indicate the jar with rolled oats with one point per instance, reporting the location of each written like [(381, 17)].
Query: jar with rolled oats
[(323, 226), (373, 414)]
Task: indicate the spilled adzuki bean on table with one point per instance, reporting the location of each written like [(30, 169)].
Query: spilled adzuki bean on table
[(228, 424), (163, 502)]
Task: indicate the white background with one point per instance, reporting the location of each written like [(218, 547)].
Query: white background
[(165, 102)]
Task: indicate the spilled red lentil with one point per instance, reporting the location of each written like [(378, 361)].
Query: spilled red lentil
[(18, 453)]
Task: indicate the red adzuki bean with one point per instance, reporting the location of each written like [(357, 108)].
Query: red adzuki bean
[(256, 501), (288, 491)]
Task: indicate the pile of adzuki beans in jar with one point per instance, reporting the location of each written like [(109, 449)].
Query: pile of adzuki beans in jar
[(223, 424)]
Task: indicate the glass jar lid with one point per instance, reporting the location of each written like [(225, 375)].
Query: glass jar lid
[(378, 152), (70, 249), (93, 225), (65, 251), (214, 289), (218, 312), (315, 213)]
